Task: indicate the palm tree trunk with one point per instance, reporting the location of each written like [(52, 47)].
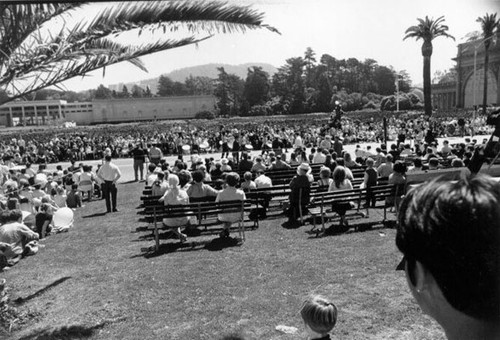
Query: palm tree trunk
[(485, 84), (427, 86)]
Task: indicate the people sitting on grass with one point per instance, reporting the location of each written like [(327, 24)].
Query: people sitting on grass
[(14, 236), (319, 316), (175, 196), (73, 198), (449, 234), (43, 220), (230, 193)]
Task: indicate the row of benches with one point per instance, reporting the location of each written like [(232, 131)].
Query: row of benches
[(203, 211)]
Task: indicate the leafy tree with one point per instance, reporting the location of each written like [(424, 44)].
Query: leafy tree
[(441, 77), (256, 91), (404, 81), (33, 58), (165, 86), (199, 85), (204, 115), (125, 93), (309, 60), (147, 92), (229, 93), (179, 89), (385, 79), (137, 91), (427, 30), (490, 26), (102, 92), (324, 94)]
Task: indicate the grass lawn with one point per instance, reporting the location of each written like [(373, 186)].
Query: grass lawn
[(97, 282)]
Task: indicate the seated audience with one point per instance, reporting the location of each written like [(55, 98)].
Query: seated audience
[(230, 193), (198, 190), (175, 196)]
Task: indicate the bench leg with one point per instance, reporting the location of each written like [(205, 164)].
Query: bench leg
[(157, 237)]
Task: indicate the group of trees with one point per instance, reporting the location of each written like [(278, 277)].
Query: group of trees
[(304, 85)]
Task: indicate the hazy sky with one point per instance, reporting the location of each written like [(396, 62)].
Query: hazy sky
[(349, 28)]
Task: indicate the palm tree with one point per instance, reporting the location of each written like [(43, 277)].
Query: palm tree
[(42, 44), (427, 30), (489, 27)]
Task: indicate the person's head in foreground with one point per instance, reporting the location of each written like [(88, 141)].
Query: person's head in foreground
[(319, 315), (449, 234)]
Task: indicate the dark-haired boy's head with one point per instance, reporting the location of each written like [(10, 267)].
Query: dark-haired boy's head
[(453, 230)]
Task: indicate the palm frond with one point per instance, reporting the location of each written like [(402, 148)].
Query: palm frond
[(19, 21), (94, 59)]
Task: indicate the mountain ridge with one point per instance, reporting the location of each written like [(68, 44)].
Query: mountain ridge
[(204, 70)]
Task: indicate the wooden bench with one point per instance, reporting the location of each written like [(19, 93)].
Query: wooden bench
[(155, 211), (321, 202)]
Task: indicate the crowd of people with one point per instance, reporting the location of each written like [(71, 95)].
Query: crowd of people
[(233, 136), (428, 234)]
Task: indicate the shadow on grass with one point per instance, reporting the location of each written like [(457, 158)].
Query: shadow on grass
[(65, 332), (95, 215), (21, 300), (216, 244)]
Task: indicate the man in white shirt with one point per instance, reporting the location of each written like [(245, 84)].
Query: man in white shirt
[(109, 173), (319, 156), (263, 181)]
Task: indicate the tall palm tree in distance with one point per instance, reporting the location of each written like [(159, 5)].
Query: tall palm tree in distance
[(43, 44), (427, 30), (490, 26)]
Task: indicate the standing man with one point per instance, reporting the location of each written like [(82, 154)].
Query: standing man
[(109, 174), (155, 154), (139, 158)]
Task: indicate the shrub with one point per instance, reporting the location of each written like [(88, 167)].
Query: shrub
[(204, 115), (370, 105), (258, 110)]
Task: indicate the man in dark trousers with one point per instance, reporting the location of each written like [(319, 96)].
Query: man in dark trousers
[(139, 155), (109, 174)]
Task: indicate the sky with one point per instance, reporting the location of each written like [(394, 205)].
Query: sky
[(344, 29)]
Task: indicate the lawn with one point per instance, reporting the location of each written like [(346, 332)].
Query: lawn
[(99, 281)]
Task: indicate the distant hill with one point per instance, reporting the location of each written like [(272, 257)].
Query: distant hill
[(207, 70), (210, 70)]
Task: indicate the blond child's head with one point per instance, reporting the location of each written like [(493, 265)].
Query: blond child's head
[(319, 314)]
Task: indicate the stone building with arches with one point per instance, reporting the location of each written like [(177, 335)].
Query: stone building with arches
[(469, 86), (468, 89)]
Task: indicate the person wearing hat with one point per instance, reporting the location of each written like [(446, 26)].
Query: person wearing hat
[(300, 194), (449, 235), (225, 167)]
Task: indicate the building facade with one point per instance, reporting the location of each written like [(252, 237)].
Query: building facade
[(55, 112), (468, 90)]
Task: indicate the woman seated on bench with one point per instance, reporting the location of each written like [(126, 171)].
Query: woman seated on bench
[(199, 191), (230, 193), (175, 196), (340, 182)]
